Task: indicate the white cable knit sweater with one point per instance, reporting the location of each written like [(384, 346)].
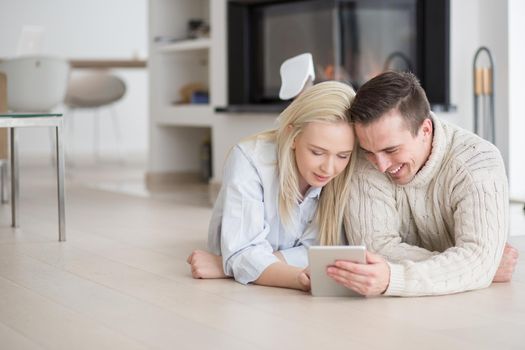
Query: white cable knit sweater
[(444, 232)]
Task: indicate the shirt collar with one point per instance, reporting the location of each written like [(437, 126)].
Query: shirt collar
[(313, 192)]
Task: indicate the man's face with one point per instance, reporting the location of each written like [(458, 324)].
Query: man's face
[(390, 146)]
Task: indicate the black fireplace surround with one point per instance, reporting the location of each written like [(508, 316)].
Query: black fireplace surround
[(350, 40)]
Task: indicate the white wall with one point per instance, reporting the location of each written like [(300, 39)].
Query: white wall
[(516, 91), (94, 29), (464, 40), (493, 28), (499, 25)]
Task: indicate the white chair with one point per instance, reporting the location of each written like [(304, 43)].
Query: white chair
[(34, 84), (93, 90)]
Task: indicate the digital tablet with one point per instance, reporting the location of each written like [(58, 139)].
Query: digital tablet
[(321, 257)]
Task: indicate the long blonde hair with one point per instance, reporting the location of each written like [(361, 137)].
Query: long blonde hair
[(324, 102)]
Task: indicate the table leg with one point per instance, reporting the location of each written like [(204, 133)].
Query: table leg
[(4, 181), (60, 184), (14, 179)]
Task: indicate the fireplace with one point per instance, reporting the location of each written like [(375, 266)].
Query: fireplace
[(350, 40)]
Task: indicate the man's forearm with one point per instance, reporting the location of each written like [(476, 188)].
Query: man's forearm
[(455, 270)]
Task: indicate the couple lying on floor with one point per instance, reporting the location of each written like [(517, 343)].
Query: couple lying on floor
[(429, 200)]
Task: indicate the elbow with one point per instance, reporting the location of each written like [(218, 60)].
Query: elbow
[(484, 278)]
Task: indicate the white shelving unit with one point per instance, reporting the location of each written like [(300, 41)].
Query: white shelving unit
[(177, 131), (178, 128)]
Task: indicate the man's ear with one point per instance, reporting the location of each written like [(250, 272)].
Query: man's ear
[(427, 127)]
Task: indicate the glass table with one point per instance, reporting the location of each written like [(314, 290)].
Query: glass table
[(22, 120)]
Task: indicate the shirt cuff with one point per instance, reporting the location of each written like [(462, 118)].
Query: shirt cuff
[(396, 285), (249, 264), (296, 256)]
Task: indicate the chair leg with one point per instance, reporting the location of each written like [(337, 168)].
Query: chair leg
[(117, 134), (96, 135)]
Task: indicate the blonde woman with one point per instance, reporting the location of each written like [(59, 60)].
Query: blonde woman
[(283, 190)]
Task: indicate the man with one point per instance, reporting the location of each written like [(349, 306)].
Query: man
[(427, 196)]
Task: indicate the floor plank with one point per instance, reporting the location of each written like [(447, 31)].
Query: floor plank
[(52, 326), (11, 339)]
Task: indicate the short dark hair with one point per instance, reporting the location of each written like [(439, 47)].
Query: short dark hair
[(388, 91)]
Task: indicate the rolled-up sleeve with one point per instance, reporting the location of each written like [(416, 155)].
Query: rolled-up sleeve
[(296, 256), (245, 249)]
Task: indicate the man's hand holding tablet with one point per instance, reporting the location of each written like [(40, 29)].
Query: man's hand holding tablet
[(347, 271), (368, 279)]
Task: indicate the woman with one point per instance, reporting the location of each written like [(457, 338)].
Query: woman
[(283, 190)]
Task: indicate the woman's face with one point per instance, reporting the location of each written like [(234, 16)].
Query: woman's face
[(322, 151)]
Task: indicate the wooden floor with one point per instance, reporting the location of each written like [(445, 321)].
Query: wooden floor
[(121, 282)]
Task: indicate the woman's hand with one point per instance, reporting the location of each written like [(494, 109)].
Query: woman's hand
[(304, 279), (206, 265)]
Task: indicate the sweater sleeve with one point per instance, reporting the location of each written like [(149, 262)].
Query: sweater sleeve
[(480, 231)]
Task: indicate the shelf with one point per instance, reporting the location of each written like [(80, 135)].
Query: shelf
[(186, 45), (185, 115)]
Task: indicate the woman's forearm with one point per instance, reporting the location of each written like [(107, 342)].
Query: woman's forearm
[(280, 274)]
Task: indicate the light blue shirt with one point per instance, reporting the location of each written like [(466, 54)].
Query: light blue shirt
[(245, 227)]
